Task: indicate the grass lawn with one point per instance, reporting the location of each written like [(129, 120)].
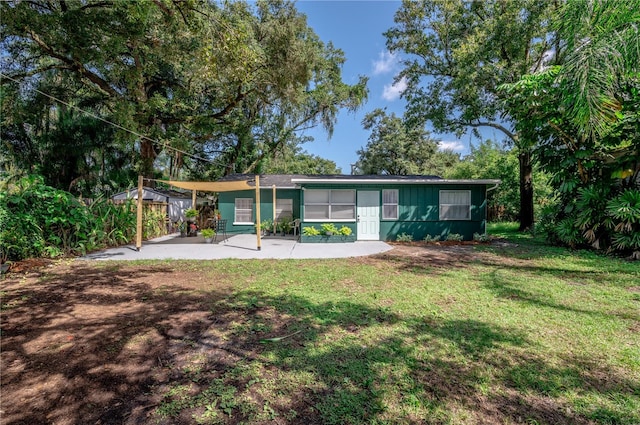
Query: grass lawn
[(511, 332)]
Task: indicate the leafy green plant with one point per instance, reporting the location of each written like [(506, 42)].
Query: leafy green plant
[(310, 231), (152, 223), (182, 227), (625, 210), (285, 225), (481, 237), (191, 213), (328, 229), (43, 221), (266, 224), (455, 237), (345, 231), (404, 237), (429, 238), (208, 233)]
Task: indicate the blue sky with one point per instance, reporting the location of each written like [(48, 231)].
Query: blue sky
[(357, 28)]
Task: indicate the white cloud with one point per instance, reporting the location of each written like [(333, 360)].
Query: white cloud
[(451, 145), (393, 91), (386, 63)]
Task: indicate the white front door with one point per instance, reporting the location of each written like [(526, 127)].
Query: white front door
[(368, 215)]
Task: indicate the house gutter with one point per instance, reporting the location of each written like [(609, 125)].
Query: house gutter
[(397, 181)]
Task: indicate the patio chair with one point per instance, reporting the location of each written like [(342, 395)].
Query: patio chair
[(221, 227), (296, 227)]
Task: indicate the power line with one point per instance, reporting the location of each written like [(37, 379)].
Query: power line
[(91, 114)]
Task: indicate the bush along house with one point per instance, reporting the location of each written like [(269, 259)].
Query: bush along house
[(372, 207)]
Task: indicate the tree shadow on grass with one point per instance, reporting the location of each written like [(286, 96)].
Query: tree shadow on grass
[(133, 345), (505, 288)]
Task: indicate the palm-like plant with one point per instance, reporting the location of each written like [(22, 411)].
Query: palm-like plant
[(603, 43)]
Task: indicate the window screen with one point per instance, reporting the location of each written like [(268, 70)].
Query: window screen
[(243, 210), (329, 204), (455, 205), (284, 208), (390, 204)]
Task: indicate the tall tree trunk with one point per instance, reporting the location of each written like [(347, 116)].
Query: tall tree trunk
[(526, 190)]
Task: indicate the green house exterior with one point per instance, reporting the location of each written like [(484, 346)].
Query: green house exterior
[(374, 207)]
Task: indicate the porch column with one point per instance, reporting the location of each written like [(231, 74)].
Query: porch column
[(258, 212), (274, 208), (139, 214)]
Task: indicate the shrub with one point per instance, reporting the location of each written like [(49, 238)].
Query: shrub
[(208, 233), (310, 231), (481, 237), (345, 231), (328, 229), (456, 237), (625, 211), (43, 221), (403, 237), (429, 238)]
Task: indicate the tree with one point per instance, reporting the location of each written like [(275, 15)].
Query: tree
[(488, 160), (131, 55), (586, 116), (71, 150), (291, 159), (185, 76), (394, 147), (292, 84), (603, 45), (459, 53)]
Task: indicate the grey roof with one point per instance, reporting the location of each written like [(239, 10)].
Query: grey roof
[(165, 192), (377, 179), (282, 181), (290, 181)]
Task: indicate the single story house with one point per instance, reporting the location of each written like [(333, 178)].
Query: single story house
[(375, 207), (177, 202)]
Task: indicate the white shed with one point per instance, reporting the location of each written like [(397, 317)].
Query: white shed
[(177, 202)]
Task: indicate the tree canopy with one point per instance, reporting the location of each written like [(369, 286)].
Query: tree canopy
[(203, 82), (585, 117), (396, 147), (458, 53)]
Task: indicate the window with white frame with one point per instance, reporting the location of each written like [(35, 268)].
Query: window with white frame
[(243, 211), (390, 204), (284, 208), (326, 204), (455, 205)]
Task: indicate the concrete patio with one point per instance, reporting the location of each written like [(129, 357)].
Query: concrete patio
[(237, 246)]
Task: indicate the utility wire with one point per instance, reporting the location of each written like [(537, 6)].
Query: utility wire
[(91, 114)]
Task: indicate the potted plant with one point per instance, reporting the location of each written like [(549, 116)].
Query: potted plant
[(208, 235), (266, 227), (191, 214), (286, 225), (182, 227), (328, 229)]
